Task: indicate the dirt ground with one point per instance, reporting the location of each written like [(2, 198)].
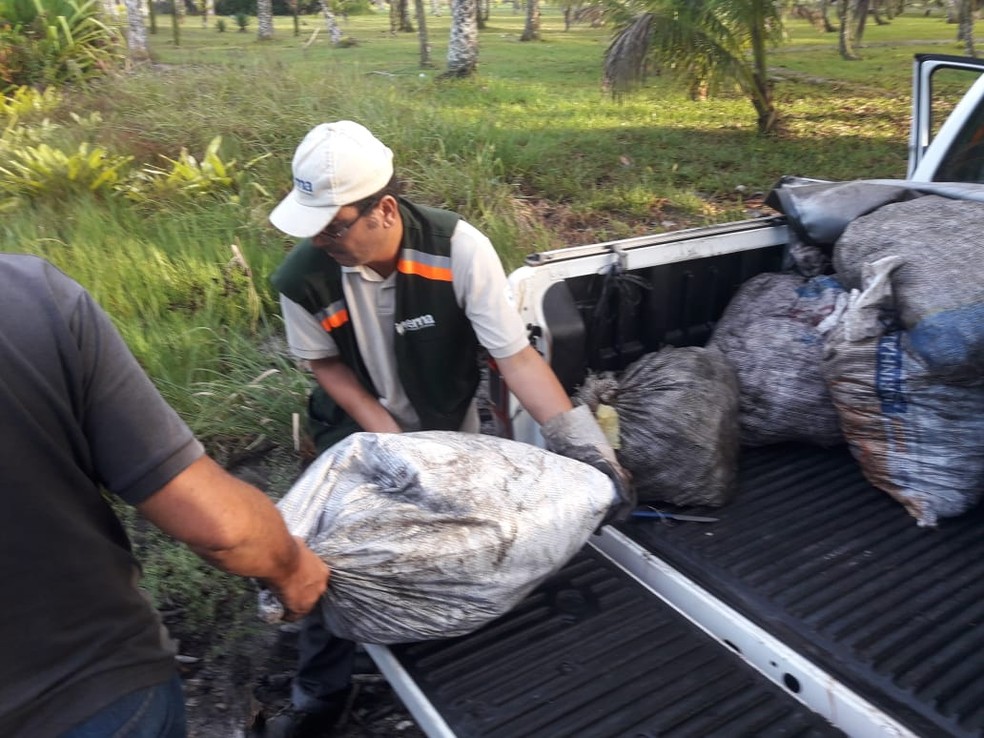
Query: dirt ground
[(230, 695)]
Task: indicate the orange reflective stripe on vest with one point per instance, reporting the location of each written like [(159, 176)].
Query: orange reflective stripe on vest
[(428, 266), (333, 316)]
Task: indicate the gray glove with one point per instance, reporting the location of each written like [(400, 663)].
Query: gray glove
[(577, 435)]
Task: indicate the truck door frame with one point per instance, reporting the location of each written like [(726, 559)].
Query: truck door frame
[(928, 151)]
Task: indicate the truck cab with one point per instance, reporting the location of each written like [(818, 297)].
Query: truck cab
[(810, 605)]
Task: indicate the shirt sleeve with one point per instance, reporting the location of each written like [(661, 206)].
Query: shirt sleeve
[(137, 442), (482, 290), (305, 336)]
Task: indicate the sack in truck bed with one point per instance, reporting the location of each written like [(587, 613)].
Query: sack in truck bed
[(433, 534)]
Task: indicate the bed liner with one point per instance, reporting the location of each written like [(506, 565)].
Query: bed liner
[(842, 574)]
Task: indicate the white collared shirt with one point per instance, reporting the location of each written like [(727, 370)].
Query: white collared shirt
[(480, 288)]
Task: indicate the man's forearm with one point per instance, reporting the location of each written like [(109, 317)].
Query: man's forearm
[(341, 384), (535, 385), (238, 529)]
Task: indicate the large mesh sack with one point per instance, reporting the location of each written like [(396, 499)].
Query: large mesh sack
[(939, 289), (768, 333), (916, 438), (677, 424), (433, 534)]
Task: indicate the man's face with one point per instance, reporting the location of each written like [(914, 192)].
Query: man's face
[(353, 238)]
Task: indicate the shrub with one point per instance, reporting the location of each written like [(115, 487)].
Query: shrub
[(220, 25), (242, 21), (25, 101), (55, 42), (280, 7), (45, 171), (231, 7), (188, 178), (352, 7)]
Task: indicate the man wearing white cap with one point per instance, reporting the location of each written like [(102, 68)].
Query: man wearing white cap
[(389, 302)]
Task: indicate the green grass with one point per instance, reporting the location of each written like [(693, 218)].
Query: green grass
[(531, 150)]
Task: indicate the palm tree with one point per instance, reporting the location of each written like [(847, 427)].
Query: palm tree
[(176, 16), (704, 42), (331, 23), (846, 39), (264, 19), (532, 30), (965, 32), (463, 45), (400, 17), (422, 37), (136, 32)]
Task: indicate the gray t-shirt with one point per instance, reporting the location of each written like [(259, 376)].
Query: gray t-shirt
[(77, 415)]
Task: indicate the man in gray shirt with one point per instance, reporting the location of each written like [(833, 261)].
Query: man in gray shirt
[(84, 652)]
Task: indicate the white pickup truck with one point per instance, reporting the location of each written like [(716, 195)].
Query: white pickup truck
[(812, 605)]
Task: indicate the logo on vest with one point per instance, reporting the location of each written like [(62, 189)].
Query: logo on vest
[(415, 324)]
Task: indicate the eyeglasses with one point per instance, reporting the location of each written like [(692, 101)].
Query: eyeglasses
[(336, 231)]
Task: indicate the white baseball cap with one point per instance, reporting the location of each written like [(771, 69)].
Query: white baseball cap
[(335, 165)]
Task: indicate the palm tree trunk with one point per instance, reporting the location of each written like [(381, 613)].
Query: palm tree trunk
[(828, 27), (405, 21), (136, 32), (861, 11), (965, 32), (176, 21), (463, 44), (532, 30), (264, 19), (425, 49), (882, 14), (846, 42), (762, 93), (952, 11), (331, 24)]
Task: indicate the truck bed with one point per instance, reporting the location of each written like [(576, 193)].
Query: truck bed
[(812, 590), (840, 572), (807, 550)]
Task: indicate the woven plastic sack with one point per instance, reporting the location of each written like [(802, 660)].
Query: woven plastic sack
[(939, 289), (768, 333), (434, 534), (677, 418), (916, 438)]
